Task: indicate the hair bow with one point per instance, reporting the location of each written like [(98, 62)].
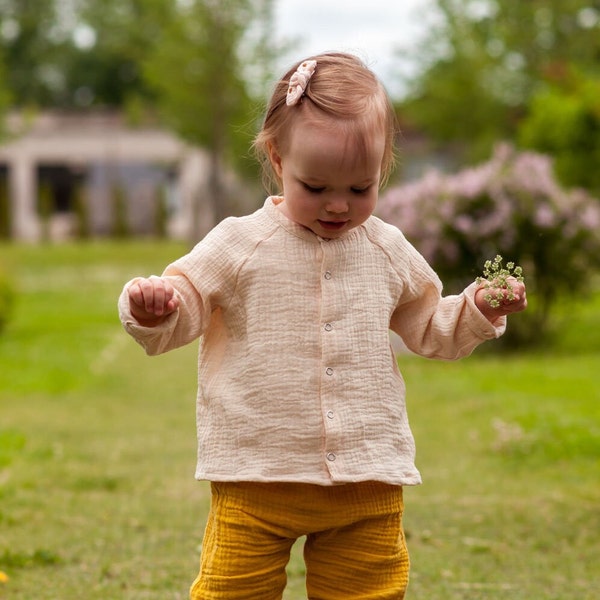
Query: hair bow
[(299, 80)]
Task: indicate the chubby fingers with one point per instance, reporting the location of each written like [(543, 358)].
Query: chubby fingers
[(501, 301), (518, 288), (153, 296), (517, 299)]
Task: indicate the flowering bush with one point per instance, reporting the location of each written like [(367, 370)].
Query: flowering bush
[(511, 205)]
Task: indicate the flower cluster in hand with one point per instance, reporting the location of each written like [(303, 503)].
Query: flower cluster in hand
[(496, 280)]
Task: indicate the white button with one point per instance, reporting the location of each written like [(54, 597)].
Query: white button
[(330, 456), (328, 326), (327, 275), (329, 371), (330, 414)]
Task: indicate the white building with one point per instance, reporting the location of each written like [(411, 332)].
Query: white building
[(57, 169)]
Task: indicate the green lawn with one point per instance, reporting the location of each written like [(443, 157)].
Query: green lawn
[(97, 452)]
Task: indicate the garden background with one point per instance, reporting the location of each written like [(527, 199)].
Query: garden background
[(97, 441)]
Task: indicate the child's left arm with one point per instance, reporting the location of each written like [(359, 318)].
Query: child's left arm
[(506, 305)]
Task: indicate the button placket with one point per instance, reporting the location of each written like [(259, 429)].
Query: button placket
[(330, 317)]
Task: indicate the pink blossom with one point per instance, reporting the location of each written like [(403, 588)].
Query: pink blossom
[(511, 203), (590, 218), (464, 224), (544, 217)]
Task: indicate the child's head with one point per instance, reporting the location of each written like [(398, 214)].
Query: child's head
[(342, 95)]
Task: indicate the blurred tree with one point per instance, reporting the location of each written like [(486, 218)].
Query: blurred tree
[(114, 37), (483, 60), (7, 299), (4, 195), (33, 43), (77, 53), (205, 72), (564, 120), (5, 100)]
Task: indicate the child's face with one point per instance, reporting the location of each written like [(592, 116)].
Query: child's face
[(325, 188)]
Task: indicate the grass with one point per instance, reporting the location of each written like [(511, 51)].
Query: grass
[(97, 451)]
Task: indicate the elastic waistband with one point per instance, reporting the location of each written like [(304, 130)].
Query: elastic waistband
[(380, 498)]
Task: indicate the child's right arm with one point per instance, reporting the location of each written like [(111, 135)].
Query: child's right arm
[(151, 300), (170, 311)]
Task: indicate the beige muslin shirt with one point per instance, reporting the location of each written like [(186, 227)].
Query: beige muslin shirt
[(297, 379)]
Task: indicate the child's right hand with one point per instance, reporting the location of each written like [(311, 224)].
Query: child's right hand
[(151, 300)]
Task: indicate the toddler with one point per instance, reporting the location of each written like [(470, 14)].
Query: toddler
[(301, 415)]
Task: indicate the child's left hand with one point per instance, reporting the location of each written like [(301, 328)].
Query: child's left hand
[(505, 306)]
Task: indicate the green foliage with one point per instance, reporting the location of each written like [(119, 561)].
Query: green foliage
[(45, 208), (161, 212), (120, 228), (81, 212), (126, 31), (4, 208), (198, 51), (84, 53), (48, 65), (198, 73), (451, 105), (31, 54), (482, 62), (513, 206), (7, 299), (564, 121), (5, 102)]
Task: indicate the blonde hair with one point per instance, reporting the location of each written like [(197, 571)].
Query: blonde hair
[(343, 91)]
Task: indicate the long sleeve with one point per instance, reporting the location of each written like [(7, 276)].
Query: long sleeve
[(204, 280), (430, 324)]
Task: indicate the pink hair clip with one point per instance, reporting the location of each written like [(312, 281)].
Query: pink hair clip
[(298, 82)]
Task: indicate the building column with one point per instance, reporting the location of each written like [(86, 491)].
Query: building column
[(194, 218), (22, 185)]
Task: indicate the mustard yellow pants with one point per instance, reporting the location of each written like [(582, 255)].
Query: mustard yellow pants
[(354, 549)]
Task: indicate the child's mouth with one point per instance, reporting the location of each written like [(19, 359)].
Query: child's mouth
[(332, 225)]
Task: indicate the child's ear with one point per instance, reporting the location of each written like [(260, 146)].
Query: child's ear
[(275, 159)]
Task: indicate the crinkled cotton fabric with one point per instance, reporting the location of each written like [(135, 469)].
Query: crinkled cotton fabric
[(297, 378)]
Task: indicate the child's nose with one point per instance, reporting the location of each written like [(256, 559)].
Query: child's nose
[(337, 204)]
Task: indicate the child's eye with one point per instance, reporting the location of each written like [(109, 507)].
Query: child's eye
[(313, 189), (359, 191)]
